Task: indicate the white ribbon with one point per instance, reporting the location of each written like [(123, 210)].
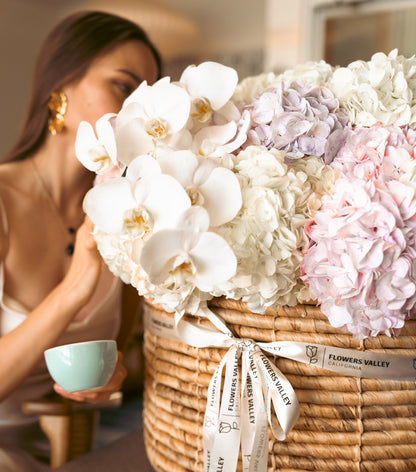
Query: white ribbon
[(242, 413)]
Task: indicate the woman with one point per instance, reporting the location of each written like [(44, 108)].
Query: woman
[(55, 289)]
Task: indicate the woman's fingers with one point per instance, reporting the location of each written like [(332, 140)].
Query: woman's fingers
[(85, 269), (98, 394)]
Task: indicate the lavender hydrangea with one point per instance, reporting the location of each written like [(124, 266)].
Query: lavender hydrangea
[(298, 118)]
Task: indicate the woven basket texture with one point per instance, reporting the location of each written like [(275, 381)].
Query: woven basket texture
[(346, 424)]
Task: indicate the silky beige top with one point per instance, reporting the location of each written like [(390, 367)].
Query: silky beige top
[(100, 319)]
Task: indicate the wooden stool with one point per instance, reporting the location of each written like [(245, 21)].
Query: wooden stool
[(69, 425)]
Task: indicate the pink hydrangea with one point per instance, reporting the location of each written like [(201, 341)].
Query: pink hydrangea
[(378, 152), (361, 261)]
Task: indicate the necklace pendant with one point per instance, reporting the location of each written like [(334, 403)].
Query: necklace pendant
[(69, 249)]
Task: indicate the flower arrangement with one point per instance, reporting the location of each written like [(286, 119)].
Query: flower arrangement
[(277, 190)]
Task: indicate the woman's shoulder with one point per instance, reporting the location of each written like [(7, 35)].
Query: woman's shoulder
[(10, 185), (10, 171), (12, 180)]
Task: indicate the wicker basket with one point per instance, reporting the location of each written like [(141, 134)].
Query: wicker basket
[(346, 424)]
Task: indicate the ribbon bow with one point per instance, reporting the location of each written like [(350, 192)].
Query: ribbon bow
[(241, 414)]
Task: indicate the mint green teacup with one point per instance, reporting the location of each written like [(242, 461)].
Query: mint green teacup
[(82, 366)]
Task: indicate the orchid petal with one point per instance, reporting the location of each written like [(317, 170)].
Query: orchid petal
[(143, 167), (210, 80), (170, 103), (179, 141), (97, 155), (205, 167), (105, 134), (209, 138), (136, 95), (166, 201), (194, 220), (129, 113), (106, 204), (179, 164), (228, 112), (238, 141), (158, 252), (222, 196), (85, 140), (214, 260), (132, 141)]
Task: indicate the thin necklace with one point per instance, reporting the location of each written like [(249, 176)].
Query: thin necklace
[(69, 249)]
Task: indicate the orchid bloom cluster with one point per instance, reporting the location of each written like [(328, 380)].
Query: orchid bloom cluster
[(158, 202), (277, 190)]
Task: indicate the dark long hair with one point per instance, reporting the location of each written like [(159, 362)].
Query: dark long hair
[(65, 56)]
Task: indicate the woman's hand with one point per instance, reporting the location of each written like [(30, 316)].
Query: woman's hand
[(84, 272), (98, 394)]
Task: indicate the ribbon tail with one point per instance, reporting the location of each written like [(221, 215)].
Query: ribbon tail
[(212, 412), (227, 441), (278, 393), (254, 430)]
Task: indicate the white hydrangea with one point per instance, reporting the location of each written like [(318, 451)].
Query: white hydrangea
[(115, 251), (311, 72), (381, 90), (267, 235), (249, 88)]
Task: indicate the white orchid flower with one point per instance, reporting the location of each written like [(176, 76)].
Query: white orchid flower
[(143, 201), (189, 253), (215, 188), (97, 152), (217, 140), (150, 116), (210, 85)]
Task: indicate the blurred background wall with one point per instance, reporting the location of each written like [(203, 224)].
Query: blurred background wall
[(250, 35)]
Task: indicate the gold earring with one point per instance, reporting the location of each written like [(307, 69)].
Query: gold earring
[(57, 108)]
